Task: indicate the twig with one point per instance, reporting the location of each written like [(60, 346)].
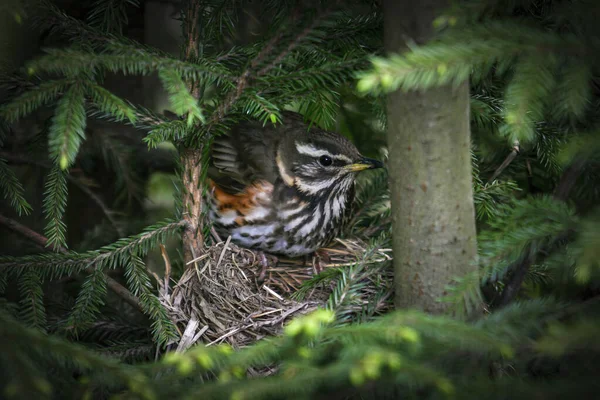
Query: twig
[(294, 43), (167, 261), (513, 154), (202, 257), (260, 324), (245, 78), (223, 251), (272, 292), (41, 240)]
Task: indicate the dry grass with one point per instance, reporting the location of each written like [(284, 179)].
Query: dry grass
[(219, 299)]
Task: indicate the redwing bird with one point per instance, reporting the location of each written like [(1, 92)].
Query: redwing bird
[(285, 189)]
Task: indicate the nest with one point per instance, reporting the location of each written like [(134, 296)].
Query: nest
[(220, 298)]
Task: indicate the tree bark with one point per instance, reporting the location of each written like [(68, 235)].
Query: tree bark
[(433, 215), (191, 158)]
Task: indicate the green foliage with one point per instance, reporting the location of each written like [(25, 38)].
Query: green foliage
[(110, 15), (55, 266), (165, 132), (55, 203), (68, 127), (112, 105), (525, 98), (181, 100), (526, 227), (32, 310), (32, 99), (13, 189), (137, 278), (88, 303), (529, 54), (532, 69), (319, 358)]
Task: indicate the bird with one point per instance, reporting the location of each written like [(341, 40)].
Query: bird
[(285, 189)]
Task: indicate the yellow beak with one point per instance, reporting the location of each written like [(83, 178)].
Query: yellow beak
[(365, 163)]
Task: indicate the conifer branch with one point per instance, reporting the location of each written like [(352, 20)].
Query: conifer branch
[(55, 203), (15, 158), (12, 188), (112, 255), (60, 351), (520, 269), (110, 15), (42, 242), (248, 76), (32, 99)]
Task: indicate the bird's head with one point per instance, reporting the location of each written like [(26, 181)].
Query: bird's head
[(319, 161)]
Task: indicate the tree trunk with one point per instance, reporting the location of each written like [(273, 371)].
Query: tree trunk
[(430, 172)]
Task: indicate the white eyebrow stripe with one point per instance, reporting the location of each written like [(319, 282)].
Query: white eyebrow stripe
[(310, 150)]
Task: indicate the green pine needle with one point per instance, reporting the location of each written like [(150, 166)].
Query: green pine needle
[(171, 131), (55, 204), (138, 281), (32, 309), (110, 15), (526, 97), (112, 105), (33, 99), (573, 94), (88, 303), (68, 127), (181, 100), (13, 189), (56, 266)]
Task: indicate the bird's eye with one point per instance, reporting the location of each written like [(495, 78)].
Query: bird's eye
[(325, 161)]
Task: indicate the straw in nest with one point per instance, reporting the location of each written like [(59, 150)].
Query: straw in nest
[(218, 299)]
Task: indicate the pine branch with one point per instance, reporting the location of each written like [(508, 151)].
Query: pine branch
[(164, 331), (68, 127), (96, 367), (18, 159), (451, 57), (172, 131), (89, 301), (32, 99), (43, 242), (124, 159), (55, 203), (110, 15), (13, 189), (110, 256), (512, 287), (53, 19), (465, 295), (526, 96), (109, 104), (244, 80), (513, 154), (113, 331), (32, 309), (181, 100), (573, 92), (137, 61)]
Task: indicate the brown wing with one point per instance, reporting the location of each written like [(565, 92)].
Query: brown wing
[(247, 153)]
